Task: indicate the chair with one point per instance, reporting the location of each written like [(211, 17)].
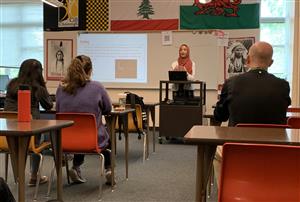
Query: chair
[(251, 125), (4, 149), (293, 109), (136, 127), (32, 149), (259, 125), (257, 172), (294, 122), (81, 138)]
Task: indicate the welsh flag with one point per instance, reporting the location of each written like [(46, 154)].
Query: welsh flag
[(142, 15), (220, 14)]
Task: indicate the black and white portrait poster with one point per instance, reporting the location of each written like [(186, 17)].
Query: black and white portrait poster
[(236, 55), (58, 57)]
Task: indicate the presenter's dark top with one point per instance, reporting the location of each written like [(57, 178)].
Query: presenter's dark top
[(39, 96), (253, 97)]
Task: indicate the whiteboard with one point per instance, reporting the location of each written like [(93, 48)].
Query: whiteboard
[(204, 51)]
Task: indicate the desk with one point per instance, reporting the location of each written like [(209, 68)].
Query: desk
[(207, 138), (213, 122), (111, 122), (18, 135), (150, 109)]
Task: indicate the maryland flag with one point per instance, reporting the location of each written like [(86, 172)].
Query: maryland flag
[(220, 14)]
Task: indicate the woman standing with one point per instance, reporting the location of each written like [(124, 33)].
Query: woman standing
[(184, 63)]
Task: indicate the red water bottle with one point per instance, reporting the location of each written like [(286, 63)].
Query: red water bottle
[(24, 104)]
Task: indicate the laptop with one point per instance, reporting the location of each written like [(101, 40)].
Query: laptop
[(177, 76), (4, 79)]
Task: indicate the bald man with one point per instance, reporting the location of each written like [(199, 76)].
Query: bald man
[(255, 96)]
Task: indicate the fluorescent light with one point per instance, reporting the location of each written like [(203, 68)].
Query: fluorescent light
[(53, 3)]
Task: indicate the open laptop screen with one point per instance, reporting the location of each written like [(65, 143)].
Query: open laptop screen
[(4, 79), (177, 76)]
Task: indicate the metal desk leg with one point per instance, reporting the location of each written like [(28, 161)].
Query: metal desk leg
[(57, 151), (111, 122), (18, 147), (125, 127), (153, 123), (148, 132), (205, 156)]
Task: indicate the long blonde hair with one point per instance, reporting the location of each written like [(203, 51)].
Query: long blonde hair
[(77, 74)]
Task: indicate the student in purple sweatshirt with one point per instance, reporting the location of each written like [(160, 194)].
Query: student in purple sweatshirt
[(77, 93)]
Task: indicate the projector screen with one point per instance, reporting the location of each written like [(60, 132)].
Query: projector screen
[(116, 58)]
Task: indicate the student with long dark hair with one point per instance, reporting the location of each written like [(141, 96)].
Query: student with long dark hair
[(30, 74), (78, 93)]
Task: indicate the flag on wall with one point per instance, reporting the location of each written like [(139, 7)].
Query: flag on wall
[(68, 14), (97, 15), (220, 14), (71, 15), (142, 15)]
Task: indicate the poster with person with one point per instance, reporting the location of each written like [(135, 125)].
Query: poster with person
[(236, 56), (58, 57)]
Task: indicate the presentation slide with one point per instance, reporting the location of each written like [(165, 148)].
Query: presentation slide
[(116, 58)]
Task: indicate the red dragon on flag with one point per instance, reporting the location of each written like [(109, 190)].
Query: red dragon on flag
[(218, 7)]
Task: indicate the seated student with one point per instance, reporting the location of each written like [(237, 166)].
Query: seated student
[(78, 93), (184, 63), (255, 96), (30, 73)]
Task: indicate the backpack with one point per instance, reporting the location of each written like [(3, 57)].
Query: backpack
[(134, 99)]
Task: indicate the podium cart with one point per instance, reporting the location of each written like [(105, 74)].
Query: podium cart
[(178, 114)]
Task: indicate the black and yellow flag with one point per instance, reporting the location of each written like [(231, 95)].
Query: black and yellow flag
[(70, 15), (97, 15)]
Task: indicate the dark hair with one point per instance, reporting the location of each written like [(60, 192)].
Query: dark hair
[(77, 74), (31, 73)]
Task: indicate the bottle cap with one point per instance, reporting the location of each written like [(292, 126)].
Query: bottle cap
[(24, 87)]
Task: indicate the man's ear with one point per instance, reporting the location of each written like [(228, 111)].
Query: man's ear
[(271, 62)]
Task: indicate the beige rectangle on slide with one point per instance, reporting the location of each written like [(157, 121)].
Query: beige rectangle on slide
[(125, 69)]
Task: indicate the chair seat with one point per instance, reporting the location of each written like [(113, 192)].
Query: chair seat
[(257, 172), (3, 144)]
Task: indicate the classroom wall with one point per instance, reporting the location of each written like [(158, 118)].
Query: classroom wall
[(152, 94)]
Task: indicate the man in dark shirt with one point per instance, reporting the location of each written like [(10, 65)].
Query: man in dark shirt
[(255, 96)]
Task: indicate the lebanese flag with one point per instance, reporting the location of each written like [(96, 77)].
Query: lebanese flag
[(142, 15)]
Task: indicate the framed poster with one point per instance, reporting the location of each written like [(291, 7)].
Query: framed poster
[(59, 53), (235, 55)]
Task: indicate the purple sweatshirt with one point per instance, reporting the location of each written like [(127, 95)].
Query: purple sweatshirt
[(92, 98)]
